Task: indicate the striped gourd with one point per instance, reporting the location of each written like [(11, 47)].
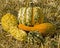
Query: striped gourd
[(30, 15)]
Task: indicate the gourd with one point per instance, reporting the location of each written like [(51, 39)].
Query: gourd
[(34, 37), (42, 28), (9, 24), (18, 33), (30, 16), (8, 20)]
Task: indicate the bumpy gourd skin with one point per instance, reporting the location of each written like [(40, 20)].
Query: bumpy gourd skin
[(17, 33), (8, 20), (34, 37)]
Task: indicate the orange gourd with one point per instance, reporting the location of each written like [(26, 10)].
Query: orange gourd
[(42, 28)]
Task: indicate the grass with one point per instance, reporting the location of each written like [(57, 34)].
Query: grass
[(7, 41), (52, 14)]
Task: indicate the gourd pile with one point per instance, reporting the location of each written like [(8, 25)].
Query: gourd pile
[(28, 26), (19, 31)]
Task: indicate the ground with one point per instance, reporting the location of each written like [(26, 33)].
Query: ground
[(51, 10)]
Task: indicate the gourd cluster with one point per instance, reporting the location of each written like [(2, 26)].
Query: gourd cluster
[(30, 19)]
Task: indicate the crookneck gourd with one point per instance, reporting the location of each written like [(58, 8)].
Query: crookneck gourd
[(42, 28), (30, 16)]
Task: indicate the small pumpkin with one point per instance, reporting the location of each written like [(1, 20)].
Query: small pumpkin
[(30, 16)]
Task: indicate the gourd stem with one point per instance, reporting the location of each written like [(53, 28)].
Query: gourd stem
[(31, 5)]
